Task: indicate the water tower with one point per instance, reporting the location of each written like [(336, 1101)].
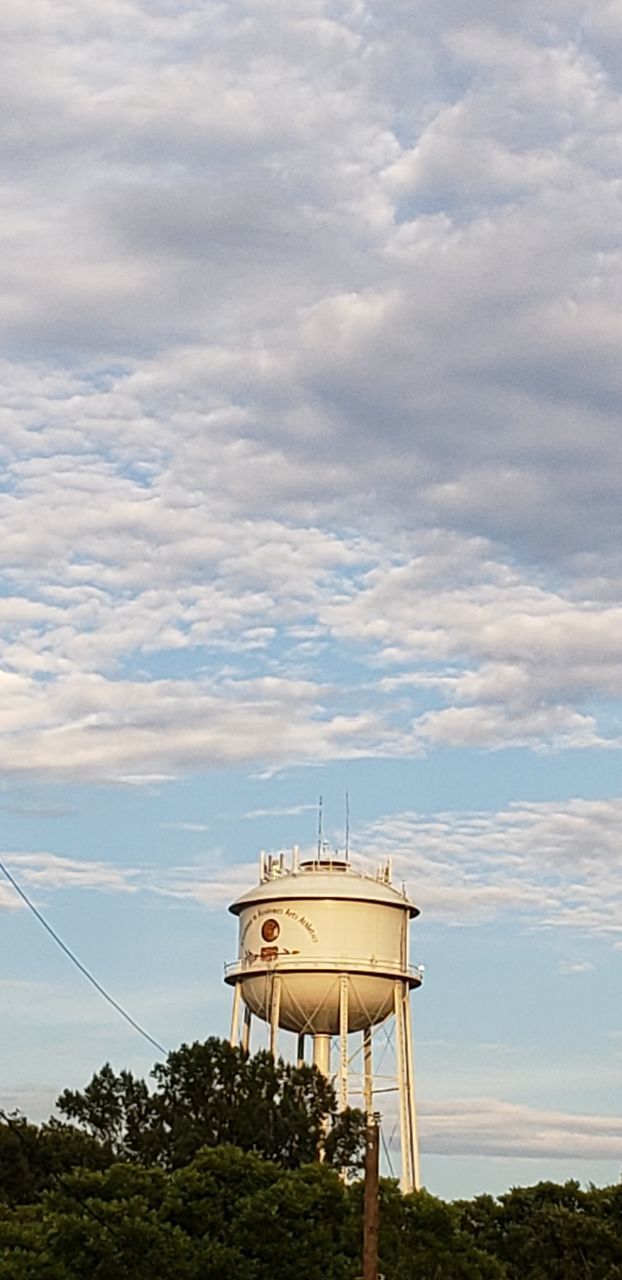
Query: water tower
[(323, 953)]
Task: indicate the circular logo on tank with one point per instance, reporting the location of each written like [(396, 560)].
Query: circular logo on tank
[(270, 930)]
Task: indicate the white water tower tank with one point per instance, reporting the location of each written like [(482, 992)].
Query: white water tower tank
[(323, 952)]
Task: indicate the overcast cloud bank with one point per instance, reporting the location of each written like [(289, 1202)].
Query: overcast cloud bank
[(311, 325)]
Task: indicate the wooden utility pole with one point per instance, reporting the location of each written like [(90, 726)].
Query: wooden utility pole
[(370, 1199)]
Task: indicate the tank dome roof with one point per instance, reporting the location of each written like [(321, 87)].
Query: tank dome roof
[(322, 879)]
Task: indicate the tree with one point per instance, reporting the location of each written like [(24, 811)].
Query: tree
[(227, 1213), (118, 1111), (212, 1093), (300, 1227), (32, 1155), (213, 1172), (550, 1232), (421, 1238)]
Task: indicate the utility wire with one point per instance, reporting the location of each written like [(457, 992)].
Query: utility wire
[(386, 1149), (114, 1231), (16, 1128), (78, 963)]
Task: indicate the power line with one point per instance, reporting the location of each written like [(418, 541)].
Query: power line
[(126, 1245), (78, 963), (16, 1128)]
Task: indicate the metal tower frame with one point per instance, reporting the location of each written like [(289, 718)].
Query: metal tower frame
[(399, 1021)]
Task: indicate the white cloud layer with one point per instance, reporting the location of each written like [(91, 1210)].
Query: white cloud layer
[(548, 865), (310, 316), (490, 1127), (49, 871)]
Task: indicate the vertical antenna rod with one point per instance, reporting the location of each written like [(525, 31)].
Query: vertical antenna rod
[(347, 827), (319, 828)]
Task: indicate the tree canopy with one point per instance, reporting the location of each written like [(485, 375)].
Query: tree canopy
[(209, 1094), (213, 1171)]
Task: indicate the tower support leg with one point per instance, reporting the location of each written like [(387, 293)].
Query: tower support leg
[(404, 1079), (300, 1057), (410, 1057), (321, 1060), (343, 1041), (234, 1038)]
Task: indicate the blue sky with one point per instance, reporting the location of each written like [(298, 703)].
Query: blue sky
[(310, 453)]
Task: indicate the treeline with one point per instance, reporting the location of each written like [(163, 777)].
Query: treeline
[(212, 1174)]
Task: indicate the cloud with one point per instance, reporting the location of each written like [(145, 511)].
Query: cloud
[(491, 1127), (94, 728), (576, 966), (185, 826), (303, 348), (155, 584), (8, 898), (211, 887), (548, 865), (52, 871), (289, 811)]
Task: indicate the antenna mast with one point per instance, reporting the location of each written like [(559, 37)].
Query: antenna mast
[(319, 828), (347, 827)]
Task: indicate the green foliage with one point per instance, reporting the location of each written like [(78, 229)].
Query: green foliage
[(214, 1173), (228, 1213), (30, 1156), (235, 1214), (117, 1110), (299, 1227), (210, 1094), (551, 1232), (421, 1238)]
